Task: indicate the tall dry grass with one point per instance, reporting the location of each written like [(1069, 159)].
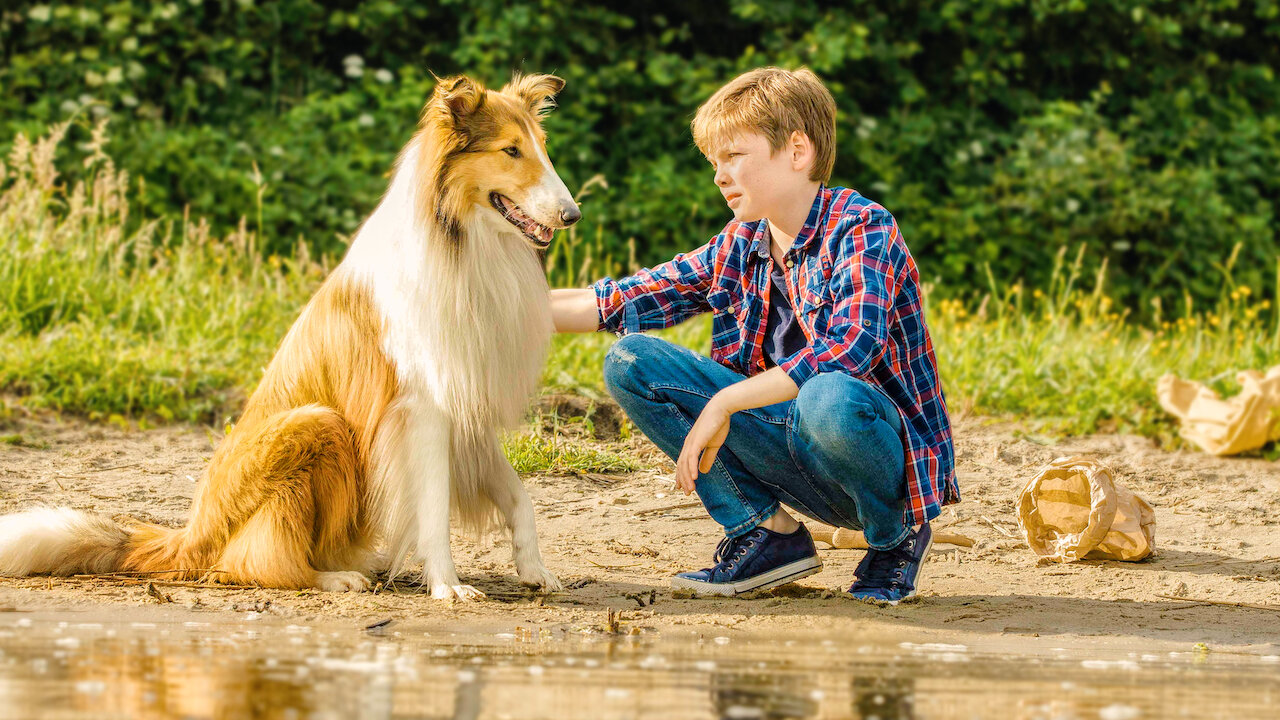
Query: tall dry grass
[(114, 317)]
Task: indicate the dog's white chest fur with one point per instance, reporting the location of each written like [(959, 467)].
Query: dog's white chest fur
[(467, 332)]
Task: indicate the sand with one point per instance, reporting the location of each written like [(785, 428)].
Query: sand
[(614, 540)]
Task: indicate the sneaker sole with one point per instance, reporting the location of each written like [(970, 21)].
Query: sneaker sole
[(915, 590), (764, 581)]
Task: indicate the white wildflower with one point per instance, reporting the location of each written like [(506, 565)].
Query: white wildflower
[(39, 13), (130, 44), (384, 76), (69, 106), (365, 120), (92, 78), (115, 76), (276, 151), (128, 100)]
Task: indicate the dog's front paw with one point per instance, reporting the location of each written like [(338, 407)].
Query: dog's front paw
[(346, 581), (459, 592), (539, 576)]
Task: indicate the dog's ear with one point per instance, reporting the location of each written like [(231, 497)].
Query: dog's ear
[(459, 96), (536, 92)]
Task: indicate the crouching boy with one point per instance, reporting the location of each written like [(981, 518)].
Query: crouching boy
[(822, 389)]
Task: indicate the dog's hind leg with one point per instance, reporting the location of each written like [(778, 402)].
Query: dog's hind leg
[(310, 507), (503, 486)]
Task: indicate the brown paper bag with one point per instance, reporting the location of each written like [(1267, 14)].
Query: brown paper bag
[(1073, 510), (1224, 427)]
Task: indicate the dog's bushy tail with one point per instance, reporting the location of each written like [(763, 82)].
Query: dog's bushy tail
[(60, 541)]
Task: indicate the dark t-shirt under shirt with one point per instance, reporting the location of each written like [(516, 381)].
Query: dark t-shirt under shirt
[(782, 333)]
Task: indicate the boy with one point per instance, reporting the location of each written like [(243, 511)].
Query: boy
[(821, 391)]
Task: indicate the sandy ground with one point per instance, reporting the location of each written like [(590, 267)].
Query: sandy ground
[(614, 546)]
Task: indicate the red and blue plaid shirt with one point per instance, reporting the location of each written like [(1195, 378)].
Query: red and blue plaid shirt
[(856, 294)]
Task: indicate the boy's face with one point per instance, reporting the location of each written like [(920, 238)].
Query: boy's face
[(755, 181)]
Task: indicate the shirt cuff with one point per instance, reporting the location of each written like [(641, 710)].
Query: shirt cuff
[(800, 365), (614, 313)]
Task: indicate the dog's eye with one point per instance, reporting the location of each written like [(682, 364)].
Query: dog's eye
[(513, 151)]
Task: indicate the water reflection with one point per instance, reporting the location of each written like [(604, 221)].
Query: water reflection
[(762, 696), (255, 670)]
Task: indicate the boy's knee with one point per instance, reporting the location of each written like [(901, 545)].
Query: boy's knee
[(621, 360), (830, 405)]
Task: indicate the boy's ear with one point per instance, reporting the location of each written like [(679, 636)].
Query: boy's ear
[(535, 92), (800, 147)]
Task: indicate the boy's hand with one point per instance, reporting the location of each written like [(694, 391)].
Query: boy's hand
[(701, 444)]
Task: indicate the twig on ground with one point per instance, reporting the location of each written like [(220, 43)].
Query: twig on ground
[(138, 573), (614, 567), (998, 528), (679, 506), (1230, 603)]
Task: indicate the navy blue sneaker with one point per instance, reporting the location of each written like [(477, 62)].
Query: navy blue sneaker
[(891, 576), (758, 560)]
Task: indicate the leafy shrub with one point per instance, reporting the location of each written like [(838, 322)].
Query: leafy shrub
[(997, 132)]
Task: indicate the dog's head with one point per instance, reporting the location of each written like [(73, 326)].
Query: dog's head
[(486, 152)]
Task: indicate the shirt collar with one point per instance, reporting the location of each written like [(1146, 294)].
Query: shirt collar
[(760, 239)]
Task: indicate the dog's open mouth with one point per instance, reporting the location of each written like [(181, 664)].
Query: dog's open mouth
[(537, 232)]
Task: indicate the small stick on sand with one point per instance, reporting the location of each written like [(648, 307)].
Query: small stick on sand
[(680, 506), (143, 573), (998, 528), (845, 539), (1254, 606), (614, 567)]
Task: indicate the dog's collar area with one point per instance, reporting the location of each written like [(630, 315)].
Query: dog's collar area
[(538, 233)]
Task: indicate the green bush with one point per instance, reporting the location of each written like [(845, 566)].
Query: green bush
[(997, 131)]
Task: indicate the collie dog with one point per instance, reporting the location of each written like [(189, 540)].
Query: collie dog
[(377, 420)]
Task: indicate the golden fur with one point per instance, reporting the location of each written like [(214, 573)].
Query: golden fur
[(321, 465)]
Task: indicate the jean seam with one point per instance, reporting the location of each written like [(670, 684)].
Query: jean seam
[(704, 394), (906, 530), (753, 516), (804, 474)]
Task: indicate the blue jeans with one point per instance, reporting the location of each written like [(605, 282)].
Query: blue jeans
[(834, 453)]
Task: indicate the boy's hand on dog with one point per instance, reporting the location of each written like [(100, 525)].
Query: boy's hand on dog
[(701, 445)]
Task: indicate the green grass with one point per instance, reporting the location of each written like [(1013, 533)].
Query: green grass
[(168, 323)]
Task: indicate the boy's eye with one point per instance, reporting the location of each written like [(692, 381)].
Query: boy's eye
[(513, 151)]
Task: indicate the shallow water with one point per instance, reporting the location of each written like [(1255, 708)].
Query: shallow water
[(259, 668)]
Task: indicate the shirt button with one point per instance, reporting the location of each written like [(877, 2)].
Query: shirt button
[(791, 263), (866, 323)]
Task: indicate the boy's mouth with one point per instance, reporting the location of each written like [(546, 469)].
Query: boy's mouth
[(731, 198), (538, 233)]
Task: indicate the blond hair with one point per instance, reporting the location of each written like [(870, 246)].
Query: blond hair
[(774, 102)]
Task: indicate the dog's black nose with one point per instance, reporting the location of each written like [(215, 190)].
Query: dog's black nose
[(570, 215)]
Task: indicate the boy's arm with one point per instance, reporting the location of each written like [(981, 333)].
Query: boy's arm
[(574, 310), (704, 439), (659, 297), (864, 284)]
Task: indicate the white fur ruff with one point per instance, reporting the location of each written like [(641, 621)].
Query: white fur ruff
[(467, 330)]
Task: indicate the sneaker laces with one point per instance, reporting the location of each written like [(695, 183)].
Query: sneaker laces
[(732, 548), (884, 567)]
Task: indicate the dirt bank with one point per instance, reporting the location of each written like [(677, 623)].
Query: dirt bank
[(611, 543)]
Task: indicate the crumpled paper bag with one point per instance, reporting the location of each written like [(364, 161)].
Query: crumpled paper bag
[(1073, 510), (1225, 427)]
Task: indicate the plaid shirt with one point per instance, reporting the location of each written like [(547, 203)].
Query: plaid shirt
[(856, 294)]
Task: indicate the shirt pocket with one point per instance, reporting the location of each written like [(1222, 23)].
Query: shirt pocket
[(815, 304), (726, 331)]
